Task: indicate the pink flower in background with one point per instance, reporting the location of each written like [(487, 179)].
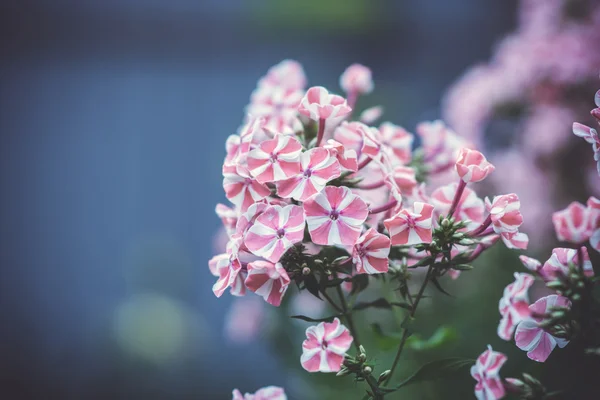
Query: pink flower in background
[(405, 178), (346, 157), (558, 264), (244, 319), (317, 167), (370, 253), (530, 263), (335, 216), (228, 269), (572, 223), (275, 231), (318, 105), (325, 346), (228, 216), (397, 143), (278, 106), (275, 159), (469, 207), (514, 304), (530, 337), (515, 240), (594, 211), (371, 115), (472, 166), (357, 79), (440, 145), (241, 189), (358, 137), (266, 393), (590, 135), (270, 281), (288, 74), (411, 227), (486, 372), (505, 213)]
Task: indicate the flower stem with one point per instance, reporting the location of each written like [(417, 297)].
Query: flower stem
[(392, 203), (411, 315), (459, 191), (330, 300), (364, 163), (348, 316), (321, 132), (481, 228)]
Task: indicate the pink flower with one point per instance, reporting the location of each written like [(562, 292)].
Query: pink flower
[(266, 393), (405, 178), (318, 105), (514, 304), (358, 137), (357, 79), (472, 166), (370, 253), (594, 211), (396, 143), (276, 159), (229, 271), (558, 264), (572, 224), (238, 146), (486, 372), (317, 167), (371, 115), (515, 240), (335, 216), (346, 157), (530, 263), (267, 280), (275, 231), (440, 145), (228, 216), (277, 105), (288, 74), (248, 218), (469, 208), (241, 189), (325, 346), (411, 227), (505, 213), (531, 338), (590, 135)]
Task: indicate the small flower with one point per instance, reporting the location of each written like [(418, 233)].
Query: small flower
[(472, 166), (228, 216), (364, 140), (318, 105), (533, 339), (558, 264), (411, 227), (396, 143), (317, 167), (440, 145), (486, 372), (515, 240), (325, 346), (241, 189), (229, 271), (270, 281), (594, 214), (266, 393), (371, 115), (370, 253), (335, 216), (238, 146), (572, 223), (514, 304), (505, 213), (530, 263), (590, 135), (288, 74), (357, 79), (469, 208), (405, 178), (276, 159), (248, 218), (275, 231), (346, 157), (277, 105)]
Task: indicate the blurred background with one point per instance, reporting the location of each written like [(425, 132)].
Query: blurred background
[(113, 119)]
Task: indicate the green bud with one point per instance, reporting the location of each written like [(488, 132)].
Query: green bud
[(384, 375), (318, 262), (367, 370), (530, 379), (576, 297), (343, 372), (362, 349), (361, 358), (581, 284), (555, 285), (445, 223), (558, 314)]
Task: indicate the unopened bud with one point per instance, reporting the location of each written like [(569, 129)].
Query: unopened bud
[(343, 372), (530, 379), (367, 370), (384, 375), (557, 314), (361, 358), (305, 271), (318, 262), (581, 284), (362, 349), (445, 223), (576, 297), (555, 285)]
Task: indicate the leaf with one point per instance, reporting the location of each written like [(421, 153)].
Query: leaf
[(381, 303), (311, 284), (308, 319), (439, 287), (384, 341), (462, 267), (439, 369), (422, 262), (359, 283), (442, 336)]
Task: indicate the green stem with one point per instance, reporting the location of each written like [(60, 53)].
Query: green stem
[(411, 315), (348, 316), (330, 300)]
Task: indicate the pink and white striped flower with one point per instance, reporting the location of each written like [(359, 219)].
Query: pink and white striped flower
[(590, 135), (411, 227), (469, 208), (364, 140), (319, 105), (229, 271), (270, 281), (325, 346), (486, 372), (558, 264), (370, 253), (288, 74), (228, 216), (505, 213), (241, 189), (594, 217), (238, 146), (356, 80), (472, 166), (266, 393), (514, 304), (531, 263), (248, 218), (371, 115), (277, 105), (405, 178), (335, 216), (317, 167), (276, 159), (515, 240), (397, 143), (440, 145), (533, 339), (346, 157), (275, 231), (573, 223)]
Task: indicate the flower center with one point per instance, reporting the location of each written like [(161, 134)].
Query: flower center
[(334, 215), (324, 344), (273, 158), (307, 173), (280, 233), (410, 221)]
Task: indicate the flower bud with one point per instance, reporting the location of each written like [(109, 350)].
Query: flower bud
[(384, 375), (343, 372), (305, 271), (367, 370), (361, 358)]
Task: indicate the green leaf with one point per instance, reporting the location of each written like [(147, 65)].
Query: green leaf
[(381, 303), (359, 283), (442, 336), (462, 267), (385, 341), (439, 287), (308, 319), (312, 285), (439, 369)]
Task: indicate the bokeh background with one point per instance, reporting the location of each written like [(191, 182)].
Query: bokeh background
[(113, 118)]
